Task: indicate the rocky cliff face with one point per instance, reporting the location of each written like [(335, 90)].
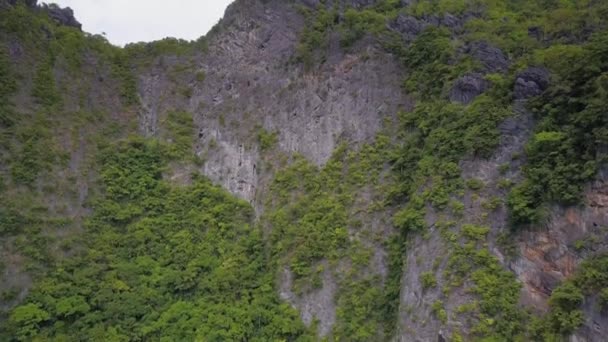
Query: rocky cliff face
[(252, 83), (63, 16), (247, 83), (552, 254)]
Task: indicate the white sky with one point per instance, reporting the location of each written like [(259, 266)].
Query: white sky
[(129, 21)]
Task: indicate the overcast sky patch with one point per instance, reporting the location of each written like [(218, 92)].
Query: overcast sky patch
[(133, 21)]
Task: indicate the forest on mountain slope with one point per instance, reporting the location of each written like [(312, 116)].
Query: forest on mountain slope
[(142, 257)]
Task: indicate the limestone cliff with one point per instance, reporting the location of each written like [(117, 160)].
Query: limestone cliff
[(417, 118)]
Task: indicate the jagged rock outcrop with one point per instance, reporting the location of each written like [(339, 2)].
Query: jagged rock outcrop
[(29, 3), (531, 82), (310, 111), (467, 88), (491, 57), (63, 16), (408, 26), (551, 253), (251, 84)]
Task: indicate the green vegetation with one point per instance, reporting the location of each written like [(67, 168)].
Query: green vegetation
[(8, 86), (166, 47), (357, 24), (28, 319), (44, 90), (428, 280), (314, 37), (436, 136), (439, 311), (200, 76), (603, 298), (180, 132), (123, 72), (566, 152), (498, 316), (428, 58), (566, 316), (267, 140), (314, 223), (157, 261), (475, 184), (309, 217), (353, 25), (160, 262), (359, 311), (33, 151)]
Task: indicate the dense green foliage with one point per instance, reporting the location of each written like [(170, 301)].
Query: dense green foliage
[(122, 71), (40, 223), (160, 262), (180, 132), (496, 313), (316, 223), (358, 23), (33, 153), (428, 59), (314, 37), (44, 90), (562, 157), (267, 140), (166, 47), (352, 25), (569, 146), (8, 86)]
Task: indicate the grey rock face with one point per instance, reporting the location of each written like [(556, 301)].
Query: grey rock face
[(431, 253), (64, 16), (29, 3), (467, 88), (549, 255), (251, 83), (353, 3), (492, 58), (310, 3), (531, 82), (451, 21), (318, 304), (362, 3), (416, 321), (408, 26)]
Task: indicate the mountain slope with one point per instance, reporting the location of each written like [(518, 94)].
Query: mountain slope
[(407, 170)]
